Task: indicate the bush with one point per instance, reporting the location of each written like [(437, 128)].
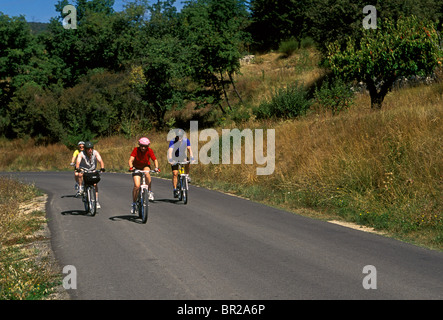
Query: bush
[(288, 47), (334, 95), (307, 43), (240, 115), (289, 102)]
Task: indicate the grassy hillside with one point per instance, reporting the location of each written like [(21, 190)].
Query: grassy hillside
[(376, 168)]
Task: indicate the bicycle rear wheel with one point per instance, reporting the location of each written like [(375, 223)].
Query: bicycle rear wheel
[(144, 206)]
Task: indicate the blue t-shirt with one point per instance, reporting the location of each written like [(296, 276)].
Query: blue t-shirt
[(180, 147)]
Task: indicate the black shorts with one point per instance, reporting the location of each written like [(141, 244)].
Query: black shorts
[(175, 166)]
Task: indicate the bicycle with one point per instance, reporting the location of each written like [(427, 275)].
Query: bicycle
[(142, 204), (183, 182), (90, 178)]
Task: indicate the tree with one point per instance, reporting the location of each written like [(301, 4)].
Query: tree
[(276, 20), (328, 21), (408, 47), (163, 69), (23, 60), (214, 34), (164, 64), (334, 20), (90, 45), (17, 47)]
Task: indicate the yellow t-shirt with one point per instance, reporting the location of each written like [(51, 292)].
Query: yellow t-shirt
[(76, 152)]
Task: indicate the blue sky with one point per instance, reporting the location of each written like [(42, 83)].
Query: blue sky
[(40, 10)]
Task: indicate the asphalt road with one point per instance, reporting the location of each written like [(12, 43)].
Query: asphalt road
[(222, 247)]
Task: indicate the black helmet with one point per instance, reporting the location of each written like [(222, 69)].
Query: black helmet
[(89, 144)]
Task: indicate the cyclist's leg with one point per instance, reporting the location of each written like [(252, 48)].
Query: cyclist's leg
[(80, 184), (96, 195), (149, 183), (174, 169), (174, 176), (76, 177), (187, 166), (148, 177), (80, 179), (136, 188)]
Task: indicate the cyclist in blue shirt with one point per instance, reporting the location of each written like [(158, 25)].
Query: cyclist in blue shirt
[(177, 152)]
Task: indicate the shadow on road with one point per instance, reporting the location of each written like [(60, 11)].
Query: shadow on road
[(74, 213), (128, 217), (70, 196), (167, 200)]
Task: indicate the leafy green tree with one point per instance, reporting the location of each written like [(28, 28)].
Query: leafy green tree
[(329, 21), (23, 60), (84, 7), (408, 47), (164, 63), (17, 47), (163, 90), (97, 104), (275, 21), (91, 45), (214, 35), (422, 9), (334, 20)]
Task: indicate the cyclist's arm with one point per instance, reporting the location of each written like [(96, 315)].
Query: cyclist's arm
[(131, 161), (74, 156), (191, 156), (99, 159), (79, 159), (170, 154)]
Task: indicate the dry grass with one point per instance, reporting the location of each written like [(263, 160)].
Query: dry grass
[(26, 271), (257, 80)]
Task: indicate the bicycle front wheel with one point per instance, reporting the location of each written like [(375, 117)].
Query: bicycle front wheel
[(184, 190), (144, 206), (185, 196), (180, 189), (92, 203)]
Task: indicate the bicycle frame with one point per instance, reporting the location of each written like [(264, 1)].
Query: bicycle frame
[(89, 195), (142, 198), (182, 182)]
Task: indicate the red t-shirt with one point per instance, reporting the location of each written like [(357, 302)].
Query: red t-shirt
[(142, 158)]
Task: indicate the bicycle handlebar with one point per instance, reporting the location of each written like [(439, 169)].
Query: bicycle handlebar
[(180, 162), (144, 171), (90, 171)]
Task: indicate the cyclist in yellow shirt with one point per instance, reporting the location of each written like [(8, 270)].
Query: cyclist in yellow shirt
[(81, 147)]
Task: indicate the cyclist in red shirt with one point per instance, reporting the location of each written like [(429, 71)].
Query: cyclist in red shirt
[(139, 159)]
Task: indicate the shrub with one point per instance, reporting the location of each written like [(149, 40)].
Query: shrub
[(288, 47), (307, 43), (335, 96), (289, 102)]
